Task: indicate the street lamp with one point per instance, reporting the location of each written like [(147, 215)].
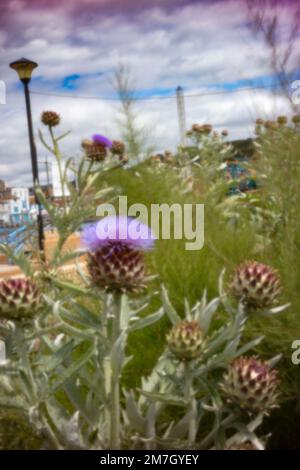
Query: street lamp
[(24, 69)]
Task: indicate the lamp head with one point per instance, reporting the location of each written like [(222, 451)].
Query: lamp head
[(24, 68)]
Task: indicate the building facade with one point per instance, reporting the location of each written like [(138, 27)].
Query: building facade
[(14, 205), (5, 198), (19, 206)]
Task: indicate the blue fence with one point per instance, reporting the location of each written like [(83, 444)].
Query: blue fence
[(17, 239)]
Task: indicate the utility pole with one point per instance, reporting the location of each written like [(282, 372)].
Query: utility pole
[(181, 114), (47, 172), (46, 163)]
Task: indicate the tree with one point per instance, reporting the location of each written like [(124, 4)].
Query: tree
[(134, 135), (267, 20)]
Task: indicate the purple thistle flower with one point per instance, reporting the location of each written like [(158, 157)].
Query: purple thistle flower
[(101, 139), (119, 230)]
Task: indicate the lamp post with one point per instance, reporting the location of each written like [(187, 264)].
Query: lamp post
[(24, 68)]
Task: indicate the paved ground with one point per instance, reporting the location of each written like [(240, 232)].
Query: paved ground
[(8, 269)]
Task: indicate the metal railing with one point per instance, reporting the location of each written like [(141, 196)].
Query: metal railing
[(18, 239)]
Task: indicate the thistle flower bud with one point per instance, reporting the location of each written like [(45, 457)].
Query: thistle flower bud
[(118, 148), (259, 122), (296, 119), (116, 258), (50, 118), (206, 128), (270, 125), (196, 128), (19, 299), (185, 340), (86, 143), (224, 133), (256, 285), (251, 385), (94, 151), (282, 120), (117, 267)]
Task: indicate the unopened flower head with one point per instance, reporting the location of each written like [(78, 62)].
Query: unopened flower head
[(185, 340), (19, 299), (196, 128), (116, 258), (97, 148), (207, 128), (50, 118), (118, 148), (251, 384), (259, 121), (282, 120), (256, 284)]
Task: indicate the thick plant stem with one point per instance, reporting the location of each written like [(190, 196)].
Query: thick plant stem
[(49, 426), (115, 410), (189, 396), (209, 439), (58, 159), (32, 389)]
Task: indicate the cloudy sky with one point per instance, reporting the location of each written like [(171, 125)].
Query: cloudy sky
[(206, 47)]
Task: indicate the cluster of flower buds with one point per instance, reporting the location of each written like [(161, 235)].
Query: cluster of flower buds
[(116, 258), (94, 151), (257, 285), (267, 125), (185, 340), (19, 299), (270, 125), (50, 118), (200, 129), (97, 148), (166, 157), (251, 385), (281, 121)]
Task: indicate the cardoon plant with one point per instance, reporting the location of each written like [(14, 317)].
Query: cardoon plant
[(66, 357), (116, 264)]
